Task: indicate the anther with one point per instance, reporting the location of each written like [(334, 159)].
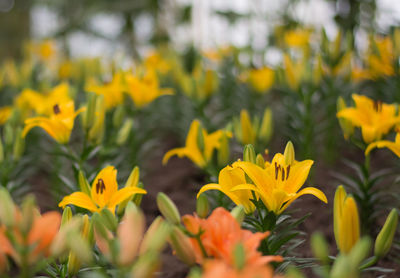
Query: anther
[(100, 186), (283, 174), (277, 170), (56, 109), (287, 172)]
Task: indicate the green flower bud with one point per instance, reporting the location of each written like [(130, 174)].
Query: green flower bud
[(385, 237), (320, 247), (239, 256), (109, 220), (238, 213), (7, 208), (289, 154), (260, 160), (224, 150), (266, 126), (83, 183), (182, 246), (89, 114), (202, 206), (19, 144), (118, 116), (124, 132), (168, 208), (249, 153)]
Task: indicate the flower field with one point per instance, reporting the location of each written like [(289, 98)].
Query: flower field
[(199, 162)]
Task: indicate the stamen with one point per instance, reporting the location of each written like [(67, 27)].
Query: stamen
[(56, 109), (277, 170), (100, 186), (283, 174), (287, 172)]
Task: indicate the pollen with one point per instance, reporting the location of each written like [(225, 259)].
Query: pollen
[(100, 186)]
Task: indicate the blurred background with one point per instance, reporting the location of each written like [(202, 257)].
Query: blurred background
[(122, 27)]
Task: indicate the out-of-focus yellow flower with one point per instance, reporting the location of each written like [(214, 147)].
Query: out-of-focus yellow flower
[(279, 182), (217, 55), (5, 113), (199, 145), (359, 74), (156, 62), (294, 71), (346, 126), (43, 104), (144, 89), (298, 38), (262, 79), (46, 50), (228, 178), (104, 193), (112, 92), (66, 69), (58, 125), (374, 117), (393, 146), (381, 58), (346, 220), (248, 131), (11, 74)]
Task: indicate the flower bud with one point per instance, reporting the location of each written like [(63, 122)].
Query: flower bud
[(7, 208), (132, 181), (66, 216), (224, 151), (289, 154), (19, 144), (249, 154), (385, 237), (96, 131), (168, 208), (146, 265), (238, 213), (182, 246), (248, 133), (8, 134), (156, 236), (109, 220), (118, 116), (239, 256), (124, 132), (360, 251), (346, 126), (202, 206), (89, 114), (260, 160), (83, 183), (320, 247), (1, 150), (266, 126), (200, 139)]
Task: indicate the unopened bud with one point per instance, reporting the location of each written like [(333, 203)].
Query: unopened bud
[(1, 150), (109, 220), (182, 246), (156, 236), (66, 216), (248, 133), (202, 206), (132, 181), (238, 213), (7, 208), (151, 231), (346, 126), (320, 247), (260, 160), (249, 154), (239, 256), (96, 132), (83, 183), (28, 211), (289, 154), (224, 150), (118, 116), (89, 114), (385, 237), (360, 251), (200, 139), (124, 132), (19, 144), (168, 208), (266, 126), (146, 265), (8, 134)]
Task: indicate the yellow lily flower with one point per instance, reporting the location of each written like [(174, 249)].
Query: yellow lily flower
[(112, 92), (43, 104), (375, 118), (5, 113), (294, 71), (143, 90), (279, 182), (346, 220), (104, 193), (297, 38), (261, 79), (58, 125), (200, 155), (381, 63), (393, 146), (228, 178), (156, 62)]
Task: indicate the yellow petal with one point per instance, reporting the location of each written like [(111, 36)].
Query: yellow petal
[(308, 190), (104, 186), (123, 194), (394, 147), (260, 178), (79, 199), (298, 176)]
